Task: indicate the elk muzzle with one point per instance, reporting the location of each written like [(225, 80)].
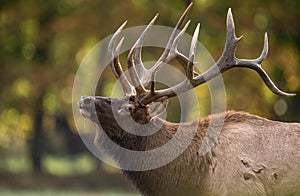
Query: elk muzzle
[(86, 105)]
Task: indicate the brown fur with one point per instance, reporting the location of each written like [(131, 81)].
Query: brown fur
[(249, 156), (237, 169)]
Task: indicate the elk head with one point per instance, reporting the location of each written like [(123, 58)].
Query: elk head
[(142, 102)]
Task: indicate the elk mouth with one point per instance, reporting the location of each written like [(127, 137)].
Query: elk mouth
[(85, 113)]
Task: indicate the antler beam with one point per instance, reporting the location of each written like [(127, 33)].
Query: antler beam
[(227, 61)]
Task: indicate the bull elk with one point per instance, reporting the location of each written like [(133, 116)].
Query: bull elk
[(250, 156)]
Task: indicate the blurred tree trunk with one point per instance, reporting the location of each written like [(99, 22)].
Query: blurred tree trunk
[(37, 139), (72, 141)]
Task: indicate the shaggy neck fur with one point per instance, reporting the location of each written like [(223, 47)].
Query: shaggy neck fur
[(194, 174)]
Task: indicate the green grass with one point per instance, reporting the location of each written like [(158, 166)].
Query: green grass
[(62, 175), (56, 165), (62, 193)]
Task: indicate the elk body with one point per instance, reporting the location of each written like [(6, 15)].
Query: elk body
[(250, 155)]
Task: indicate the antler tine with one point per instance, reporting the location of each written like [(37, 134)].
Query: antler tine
[(174, 53), (187, 84), (171, 51), (174, 50), (135, 61), (225, 62), (256, 65), (172, 37), (111, 52), (114, 62), (191, 63), (265, 50)]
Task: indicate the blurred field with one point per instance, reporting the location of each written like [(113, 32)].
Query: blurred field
[(101, 182), (62, 193), (62, 175)]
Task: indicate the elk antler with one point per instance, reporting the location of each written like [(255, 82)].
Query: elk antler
[(113, 56), (227, 61), (170, 52)]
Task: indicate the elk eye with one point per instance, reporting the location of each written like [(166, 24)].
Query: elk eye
[(126, 109)]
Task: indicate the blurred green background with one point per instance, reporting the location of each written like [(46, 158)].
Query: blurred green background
[(42, 43)]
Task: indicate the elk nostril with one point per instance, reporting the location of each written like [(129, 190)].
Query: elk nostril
[(87, 100)]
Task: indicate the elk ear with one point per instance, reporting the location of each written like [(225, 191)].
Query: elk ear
[(158, 107)]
